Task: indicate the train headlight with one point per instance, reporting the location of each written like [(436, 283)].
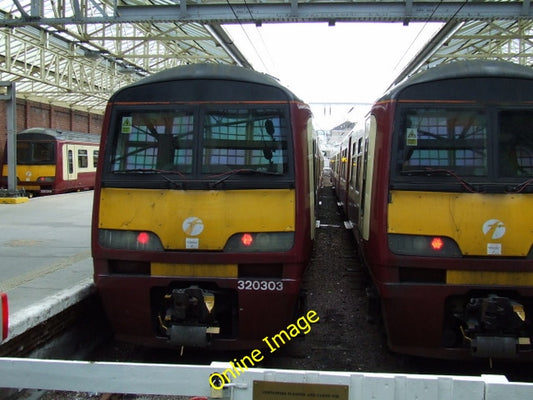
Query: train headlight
[(260, 241), (129, 240), (45, 179), (426, 246)]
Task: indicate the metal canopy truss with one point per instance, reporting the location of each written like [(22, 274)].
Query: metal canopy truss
[(257, 11), (75, 53), (507, 40), (51, 69), (323, 11), (78, 65)]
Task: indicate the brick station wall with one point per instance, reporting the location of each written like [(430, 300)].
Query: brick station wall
[(32, 115)]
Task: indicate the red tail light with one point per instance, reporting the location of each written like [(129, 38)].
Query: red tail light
[(129, 240), (250, 242), (437, 243), (424, 246), (247, 239), (143, 238)]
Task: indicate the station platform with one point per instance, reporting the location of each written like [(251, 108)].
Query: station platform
[(46, 263)]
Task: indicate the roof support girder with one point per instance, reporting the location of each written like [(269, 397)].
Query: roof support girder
[(37, 8), (291, 11), (345, 11), (39, 65)]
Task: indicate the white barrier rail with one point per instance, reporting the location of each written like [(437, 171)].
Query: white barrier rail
[(253, 383)]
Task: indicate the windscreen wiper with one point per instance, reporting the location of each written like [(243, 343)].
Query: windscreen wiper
[(429, 171), (521, 186), (162, 173), (244, 171)]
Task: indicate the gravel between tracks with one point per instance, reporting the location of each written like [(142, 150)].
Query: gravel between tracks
[(336, 282)]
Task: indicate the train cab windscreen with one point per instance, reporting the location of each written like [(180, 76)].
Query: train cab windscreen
[(462, 149), (217, 144), (35, 153)]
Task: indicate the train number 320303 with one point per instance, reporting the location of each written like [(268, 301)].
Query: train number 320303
[(259, 285)]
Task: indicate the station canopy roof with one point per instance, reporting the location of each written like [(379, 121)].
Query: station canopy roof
[(76, 53), (79, 65)]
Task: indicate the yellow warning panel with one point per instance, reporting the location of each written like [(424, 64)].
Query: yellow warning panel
[(298, 391), (458, 277), (195, 270)]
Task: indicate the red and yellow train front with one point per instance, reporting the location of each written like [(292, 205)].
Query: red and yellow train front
[(203, 221), (464, 276), (36, 163), (32, 178), (448, 234), (200, 266)]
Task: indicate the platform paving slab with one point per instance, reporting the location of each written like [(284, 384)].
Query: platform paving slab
[(45, 259)]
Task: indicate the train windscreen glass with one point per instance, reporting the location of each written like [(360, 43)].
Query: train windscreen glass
[(515, 143), (437, 146), (443, 139), (157, 140), (251, 139), (201, 143), (31, 153)]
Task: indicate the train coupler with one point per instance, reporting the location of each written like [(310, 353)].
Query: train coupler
[(495, 346), (190, 335), (495, 327), (188, 318)]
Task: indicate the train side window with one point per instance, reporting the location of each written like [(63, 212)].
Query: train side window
[(70, 157), (83, 158), (354, 166), (359, 164), (344, 162), (95, 158)]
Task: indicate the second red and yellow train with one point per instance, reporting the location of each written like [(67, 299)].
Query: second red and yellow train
[(437, 183), (52, 161)]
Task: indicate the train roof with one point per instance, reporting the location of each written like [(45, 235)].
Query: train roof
[(464, 69), (211, 72), (60, 135)]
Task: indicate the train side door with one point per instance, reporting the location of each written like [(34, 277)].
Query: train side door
[(353, 190), (70, 170)]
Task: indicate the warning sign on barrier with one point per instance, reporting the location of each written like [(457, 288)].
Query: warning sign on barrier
[(298, 391)]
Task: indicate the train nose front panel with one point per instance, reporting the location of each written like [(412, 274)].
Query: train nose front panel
[(198, 220)]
